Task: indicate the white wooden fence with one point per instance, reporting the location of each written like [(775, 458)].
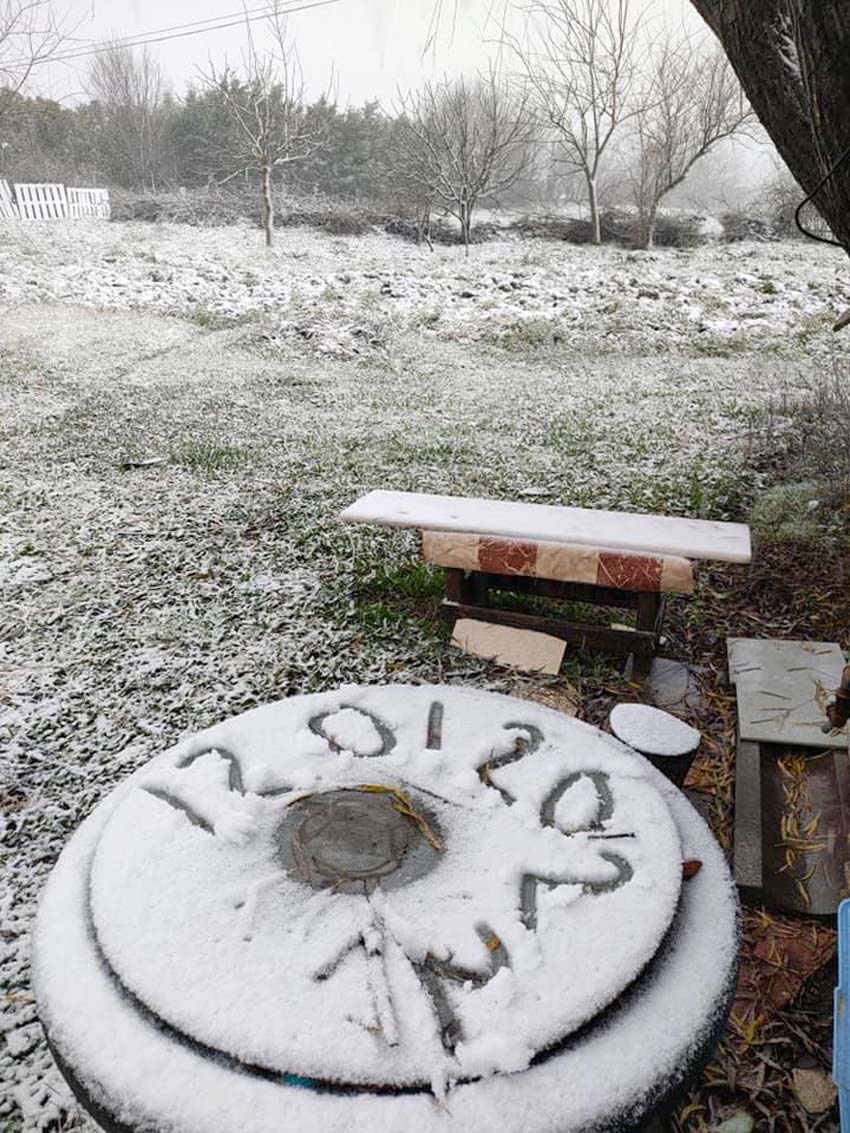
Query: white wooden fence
[(41, 202), (89, 202), (51, 202), (8, 209)]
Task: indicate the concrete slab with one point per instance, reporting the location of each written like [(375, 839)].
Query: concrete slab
[(673, 686), (782, 688)]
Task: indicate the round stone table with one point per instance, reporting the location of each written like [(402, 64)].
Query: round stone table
[(387, 909)]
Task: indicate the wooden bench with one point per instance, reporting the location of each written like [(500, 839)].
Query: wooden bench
[(622, 559)]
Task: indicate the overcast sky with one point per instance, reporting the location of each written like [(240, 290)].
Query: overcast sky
[(371, 46)]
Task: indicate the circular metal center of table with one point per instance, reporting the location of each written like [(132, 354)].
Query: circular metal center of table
[(351, 841)]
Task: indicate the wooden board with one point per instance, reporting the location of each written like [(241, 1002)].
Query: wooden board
[(788, 798), (522, 649), (781, 687), (628, 531)]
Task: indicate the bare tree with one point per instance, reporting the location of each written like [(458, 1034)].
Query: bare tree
[(579, 60), (271, 126), (691, 102), (464, 141), (131, 91), (407, 184), (30, 34), (791, 58)]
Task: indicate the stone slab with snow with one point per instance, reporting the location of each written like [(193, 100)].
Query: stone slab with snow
[(231, 939), (782, 688)]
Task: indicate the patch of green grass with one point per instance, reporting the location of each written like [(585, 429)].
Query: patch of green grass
[(203, 316), (527, 334), (714, 303), (580, 613), (414, 581), (788, 512), (391, 596), (809, 326), (208, 456), (379, 617), (714, 346), (576, 435), (582, 666)]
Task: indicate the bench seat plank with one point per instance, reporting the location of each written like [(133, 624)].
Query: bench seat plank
[(627, 531), (596, 566)]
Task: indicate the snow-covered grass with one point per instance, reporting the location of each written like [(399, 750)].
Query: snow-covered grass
[(140, 603)]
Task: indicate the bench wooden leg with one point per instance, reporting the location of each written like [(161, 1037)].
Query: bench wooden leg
[(466, 597), (455, 584), (466, 587), (650, 619), (650, 614), (622, 641)]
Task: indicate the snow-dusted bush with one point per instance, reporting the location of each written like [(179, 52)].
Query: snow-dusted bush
[(747, 224), (213, 207), (802, 441), (620, 226), (206, 208)]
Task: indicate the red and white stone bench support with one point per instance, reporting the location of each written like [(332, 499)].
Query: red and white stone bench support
[(476, 565), (625, 560)]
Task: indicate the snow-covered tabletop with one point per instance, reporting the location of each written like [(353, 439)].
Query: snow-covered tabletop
[(386, 908)]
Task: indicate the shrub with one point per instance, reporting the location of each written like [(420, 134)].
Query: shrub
[(214, 207), (743, 224), (801, 444), (618, 226), (572, 229), (787, 512)]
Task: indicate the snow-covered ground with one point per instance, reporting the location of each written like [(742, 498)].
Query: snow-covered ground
[(139, 603), (347, 295)]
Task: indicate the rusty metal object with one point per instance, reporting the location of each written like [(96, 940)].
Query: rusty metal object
[(838, 712)]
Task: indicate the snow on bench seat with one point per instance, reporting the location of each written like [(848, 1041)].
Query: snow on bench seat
[(628, 531), (597, 566)]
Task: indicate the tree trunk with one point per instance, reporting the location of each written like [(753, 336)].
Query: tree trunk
[(593, 200), (646, 227), (268, 205), (426, 228), (791, 57), (466, 223)]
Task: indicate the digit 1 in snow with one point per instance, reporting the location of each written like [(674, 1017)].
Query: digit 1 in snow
[(435, 726)]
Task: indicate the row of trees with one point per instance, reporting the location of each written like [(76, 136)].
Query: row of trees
[(585, 91)]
